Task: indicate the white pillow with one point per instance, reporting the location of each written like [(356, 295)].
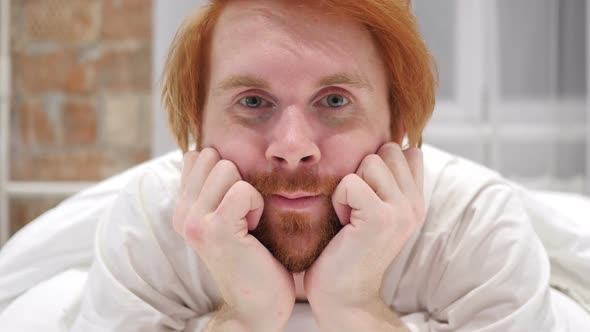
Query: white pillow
[(562, 222), (50, 306)]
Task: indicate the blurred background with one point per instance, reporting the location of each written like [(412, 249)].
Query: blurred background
[(79, 98)]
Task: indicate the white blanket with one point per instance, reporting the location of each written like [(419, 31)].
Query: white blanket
[(52, 305), (43, 267)]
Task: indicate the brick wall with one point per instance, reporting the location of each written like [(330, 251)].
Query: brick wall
[(81, 79)]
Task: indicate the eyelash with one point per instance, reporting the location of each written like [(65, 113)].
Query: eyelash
[(325, 95)]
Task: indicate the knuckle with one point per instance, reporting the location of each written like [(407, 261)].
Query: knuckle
[(195, 230), (414, 152), (240, 190), (226, 167), (371, 164), (209, 154), (350, 180), (371, 160), (388, 148), (235, 190), (394, 146), (241, 187)]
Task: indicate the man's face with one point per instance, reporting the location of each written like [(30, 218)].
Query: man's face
[(296, 99)]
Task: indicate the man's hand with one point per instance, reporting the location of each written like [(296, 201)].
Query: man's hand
[(380, 207), (214, 212)]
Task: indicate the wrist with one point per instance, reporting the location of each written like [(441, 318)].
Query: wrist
[(370, 315), (332, 306), (228, 319)]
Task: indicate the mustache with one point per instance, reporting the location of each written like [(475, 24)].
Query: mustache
[(301, 180)]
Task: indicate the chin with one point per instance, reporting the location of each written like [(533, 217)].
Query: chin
[(298, 253), (296, 240)]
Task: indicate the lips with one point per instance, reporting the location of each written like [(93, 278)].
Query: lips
[(295, 201), (296, 195)]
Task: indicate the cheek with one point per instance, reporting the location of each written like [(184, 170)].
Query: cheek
[(241, 146), (343, 154)]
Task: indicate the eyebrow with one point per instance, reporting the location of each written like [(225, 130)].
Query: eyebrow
[(234, 82), (253, 82), (345, 79)]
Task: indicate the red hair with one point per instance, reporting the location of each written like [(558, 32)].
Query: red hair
[(411, 71)]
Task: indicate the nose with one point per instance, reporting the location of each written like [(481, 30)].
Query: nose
[(293, 143)]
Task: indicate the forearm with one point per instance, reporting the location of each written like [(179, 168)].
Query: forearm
[(375, 316), (227, 320), (222, 322)]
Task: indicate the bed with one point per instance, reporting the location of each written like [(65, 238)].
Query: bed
[(44, 266)]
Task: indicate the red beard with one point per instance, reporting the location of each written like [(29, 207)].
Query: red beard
[(296, 239)]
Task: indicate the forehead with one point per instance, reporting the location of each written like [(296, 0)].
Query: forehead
[(299, 18), (278, 37)]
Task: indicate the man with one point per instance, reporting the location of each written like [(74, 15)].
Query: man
[(299, 190)]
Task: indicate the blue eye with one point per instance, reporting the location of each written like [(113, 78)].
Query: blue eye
[(334, 101), (253, 102)]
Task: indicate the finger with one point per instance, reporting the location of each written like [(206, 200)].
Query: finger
[(188, 161), (394, 158), (222, 177), (203, 166), (353, 193), (241, 203), (415, 159), (378, 176)]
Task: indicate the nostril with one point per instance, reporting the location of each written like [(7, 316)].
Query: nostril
[(306, 159), (294, 160)]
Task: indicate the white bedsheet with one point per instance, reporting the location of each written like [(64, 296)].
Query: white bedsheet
[(562, 222), (43, 267), (52, 305)]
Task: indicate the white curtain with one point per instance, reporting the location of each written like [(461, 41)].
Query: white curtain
[(513, 86)]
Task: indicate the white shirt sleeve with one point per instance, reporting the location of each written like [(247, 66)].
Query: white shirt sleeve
[(493, 272), (135, 282)]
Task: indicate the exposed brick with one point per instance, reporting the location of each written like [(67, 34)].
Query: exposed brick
[(24, 210), (125, 69), (73, 164), (122, 160), (35, 126), (80, 122), (127, 121), (40, 73), (127, 19), (80, 78), (59, 165), (62, 20), (70, 58), (57, 70)]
